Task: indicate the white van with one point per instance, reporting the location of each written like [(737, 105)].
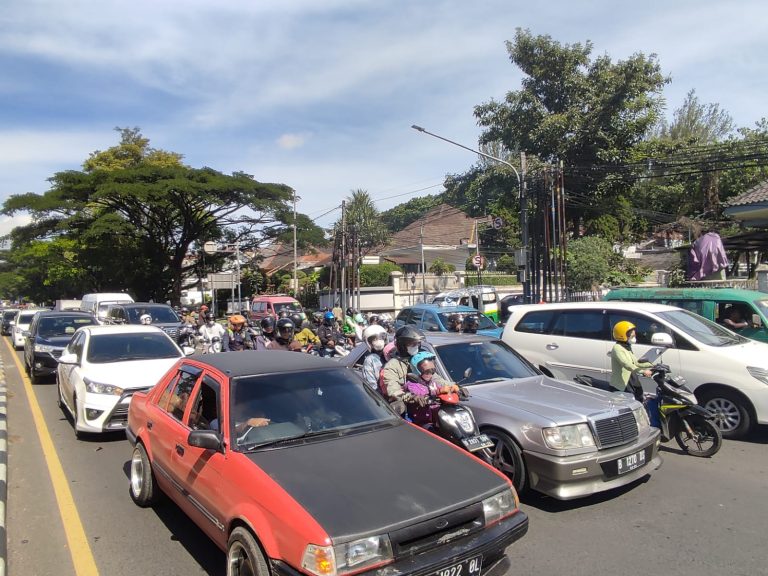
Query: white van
[(728, 373), (98, 302)]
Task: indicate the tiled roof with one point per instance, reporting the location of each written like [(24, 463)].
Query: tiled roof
[(443, 225), (752, 196)]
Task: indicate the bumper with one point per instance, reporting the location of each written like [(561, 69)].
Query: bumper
[(44, 363), (570, 477), (110, 413), (490, 543)]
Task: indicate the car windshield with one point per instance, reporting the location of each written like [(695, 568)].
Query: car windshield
[(51, 327), (302, 404), (160, 314), (105, 348), (288, 306), (475, 362), (762, 305), (484, 323), (24, 318), (9, 314), (701, 329)]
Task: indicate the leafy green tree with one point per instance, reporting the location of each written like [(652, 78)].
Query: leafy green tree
[(399, 217), (133, 214), (506, 264), (364, 225), (696, 122), (377, 274), (440, 267), (588, 262)]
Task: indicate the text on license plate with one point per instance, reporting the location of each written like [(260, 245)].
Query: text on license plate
[(628, 463), (468, 567), (477, 442)]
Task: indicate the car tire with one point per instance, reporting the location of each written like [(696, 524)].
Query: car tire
[(34, 378), (60, 396), (142, 487), (732, 416), (508, 458), (244, 556)]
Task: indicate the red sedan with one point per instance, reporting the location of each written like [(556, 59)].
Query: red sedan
[(292, 465)]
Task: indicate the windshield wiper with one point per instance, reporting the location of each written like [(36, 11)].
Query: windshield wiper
[(278, 441)]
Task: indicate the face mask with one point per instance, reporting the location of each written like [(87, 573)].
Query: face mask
[(633, 340), (412, 350), (378, 345)]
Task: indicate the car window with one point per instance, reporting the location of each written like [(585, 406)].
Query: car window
[(104, 348), (695, 306), (581, 324), (430, 322), (416, 316), (487, 360), (206, 411), (645, 326), (25, 318), (176, 396), (536, 322), (701, 329), (76, 345), (483, 322), (289, 306), (403, 316), (162, 314), (302, 403)]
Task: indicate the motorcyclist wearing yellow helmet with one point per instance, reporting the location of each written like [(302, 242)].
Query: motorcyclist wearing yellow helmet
[(625, 367)]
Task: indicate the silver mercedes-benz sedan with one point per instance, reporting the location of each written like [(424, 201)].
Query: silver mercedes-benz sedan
[(560, 438)]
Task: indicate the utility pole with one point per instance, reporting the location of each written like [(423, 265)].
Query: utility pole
[(239, 283), (343, 255), (295, 252), (423, 266), (524, 229)]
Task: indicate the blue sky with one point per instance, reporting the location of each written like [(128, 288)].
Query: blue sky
[(320, 94)]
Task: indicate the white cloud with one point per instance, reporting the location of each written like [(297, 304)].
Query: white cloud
[(292, 141), (8, 223)]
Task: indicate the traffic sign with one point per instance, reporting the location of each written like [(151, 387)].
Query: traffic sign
[(210, 247), (478, 261), (498, 223)]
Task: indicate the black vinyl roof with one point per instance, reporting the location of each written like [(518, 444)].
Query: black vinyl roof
[(256, 362)]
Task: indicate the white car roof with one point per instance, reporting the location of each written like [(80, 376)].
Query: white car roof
[(612, 305), (120, 329)]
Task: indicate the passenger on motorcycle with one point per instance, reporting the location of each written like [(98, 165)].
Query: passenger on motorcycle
[(375, 337), (394, 374), (625, 367), (284, 337), (424, 383), (267, 333), (237, 338), (306, 335), (145, 319), (211, 329), (329, 335)]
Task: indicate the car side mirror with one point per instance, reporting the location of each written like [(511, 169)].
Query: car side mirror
[(11, 323), (69, 358), (662, 339), (205, 439), (188, 350), (756, 321)]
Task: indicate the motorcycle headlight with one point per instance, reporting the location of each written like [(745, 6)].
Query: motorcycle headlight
[(572, 436), (462, 419), (98, 388), (44, 348), (355, 556), (759, 373), (499, 506), (641, 417)]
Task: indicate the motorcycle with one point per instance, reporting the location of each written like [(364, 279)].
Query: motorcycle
[(212, 345), (676, 413), (187, 336), (444, 416)]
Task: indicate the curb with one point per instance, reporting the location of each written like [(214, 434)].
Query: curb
[(3, 468)]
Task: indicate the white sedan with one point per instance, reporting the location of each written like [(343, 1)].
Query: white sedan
[(20, 325), (101, 368)]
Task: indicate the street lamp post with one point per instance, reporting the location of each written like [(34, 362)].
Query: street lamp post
[(522, 198)]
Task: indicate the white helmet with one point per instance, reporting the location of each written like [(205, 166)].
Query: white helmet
[(375, 332), (145, 319)]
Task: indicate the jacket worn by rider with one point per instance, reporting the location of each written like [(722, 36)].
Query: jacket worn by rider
[(624, 365), (325, 333), (237, 341)]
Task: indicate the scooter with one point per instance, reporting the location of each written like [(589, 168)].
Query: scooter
[(447, 418), (187, 336), (212, 346), (675, 412)]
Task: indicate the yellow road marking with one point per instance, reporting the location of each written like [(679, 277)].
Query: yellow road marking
[(80, 550)]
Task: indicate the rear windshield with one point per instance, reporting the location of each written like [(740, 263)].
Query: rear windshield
[(9, 314), (160, 314), (25, 317), (483, 323), (104, 348)]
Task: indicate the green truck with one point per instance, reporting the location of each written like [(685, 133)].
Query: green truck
[(716, 304)]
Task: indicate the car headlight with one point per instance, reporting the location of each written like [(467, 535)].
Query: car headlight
[(44, 348), (98, 388), (572, 436), (348, 558), (759, 373), (641, 417), (499, 506)]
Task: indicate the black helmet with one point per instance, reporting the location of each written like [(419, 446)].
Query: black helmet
[(284, 313), (407, 336), (184, 310), (470, 324), (296, 319), (267, 325), (209, 317), (284, 331)]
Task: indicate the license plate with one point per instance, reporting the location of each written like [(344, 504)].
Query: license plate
[(632, 462), (468, 567), (478, 442)]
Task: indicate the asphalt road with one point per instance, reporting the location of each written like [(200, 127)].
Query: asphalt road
[(693, 516)]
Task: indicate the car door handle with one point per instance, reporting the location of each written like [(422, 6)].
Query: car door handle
[(552, 346), (179, 449)]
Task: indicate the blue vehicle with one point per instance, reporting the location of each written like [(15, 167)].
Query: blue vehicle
[(435, 318)]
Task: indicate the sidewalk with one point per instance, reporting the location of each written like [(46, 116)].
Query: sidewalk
[(3, 467)]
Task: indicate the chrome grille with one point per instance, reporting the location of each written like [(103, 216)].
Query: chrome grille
[(172, 332), (616, 430)]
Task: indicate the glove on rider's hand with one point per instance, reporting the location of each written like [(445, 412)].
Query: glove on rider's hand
[(422, 400)]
